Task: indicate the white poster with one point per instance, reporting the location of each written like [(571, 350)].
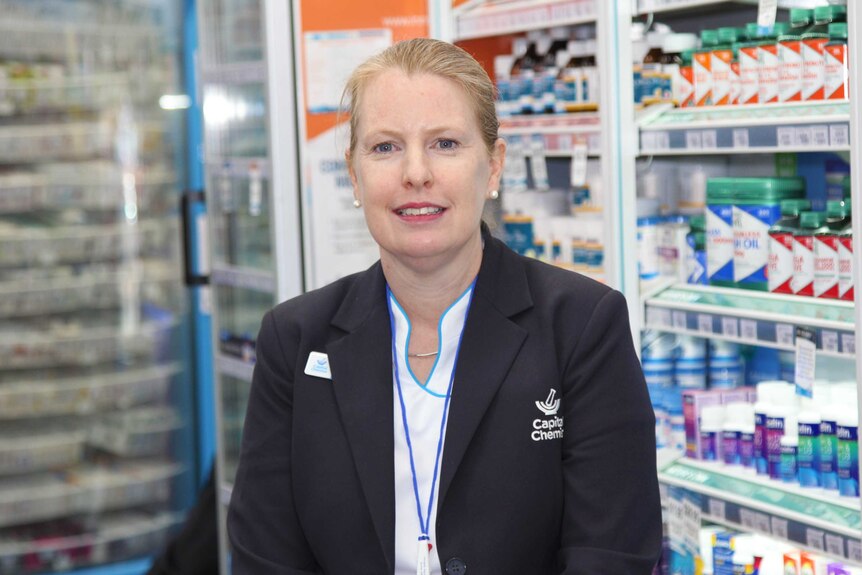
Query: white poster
[(340, 243), (330, 57)]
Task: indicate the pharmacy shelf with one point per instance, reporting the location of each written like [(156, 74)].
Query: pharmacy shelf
[(234, 367), (42, 246), (751, 317), (767, 128), (45, 396), (32, 451), (82, 343), (25, 192), (810, 518), (100, 291), (238, 277), (498, 18), (68, 93), (85, 489), (68, 545), (561, 132), (645, 7)]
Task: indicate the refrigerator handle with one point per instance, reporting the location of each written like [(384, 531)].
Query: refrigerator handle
[(193, 212)]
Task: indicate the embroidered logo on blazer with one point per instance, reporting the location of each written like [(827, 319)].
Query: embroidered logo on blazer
[(550, 406), (550, 426)]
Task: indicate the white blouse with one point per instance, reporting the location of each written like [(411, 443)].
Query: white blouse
[(424, 403)]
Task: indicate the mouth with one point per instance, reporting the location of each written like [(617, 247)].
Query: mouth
[(423, 211)]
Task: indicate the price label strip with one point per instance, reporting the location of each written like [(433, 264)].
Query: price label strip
[(806, 354)]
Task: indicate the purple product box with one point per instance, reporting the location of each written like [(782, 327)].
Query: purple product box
[(836, 569), (736, 395), (693, 401)]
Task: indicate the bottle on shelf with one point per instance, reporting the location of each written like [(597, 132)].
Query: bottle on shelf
[(826, 247), (835, 71), (654, 84), (522, 72), (814, 41), (696, 251), (540, 73), (810, 223), (502, 75), (551, 64), (722, 62), (768, 64), (747, 55), (677, 50), (702, 65), (780, 274), (846, 262), (790, 67)]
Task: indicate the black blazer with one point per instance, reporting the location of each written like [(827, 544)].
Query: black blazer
[(314, 492)]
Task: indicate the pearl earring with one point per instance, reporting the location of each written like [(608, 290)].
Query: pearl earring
[(357, 204), (494, 194)]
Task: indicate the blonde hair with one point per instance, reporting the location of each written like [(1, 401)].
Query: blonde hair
[(428, 56)]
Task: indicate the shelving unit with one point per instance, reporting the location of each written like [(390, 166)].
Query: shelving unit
[(753, 318), (95, 400), (768, 128), (810, 519), (513, 17)]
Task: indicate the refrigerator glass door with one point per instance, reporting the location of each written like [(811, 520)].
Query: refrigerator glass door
[(96, 436)]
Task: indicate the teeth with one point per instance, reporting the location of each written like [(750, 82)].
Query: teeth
[(420, 211)]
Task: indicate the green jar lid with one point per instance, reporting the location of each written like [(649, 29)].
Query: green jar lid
[(768, 188), (718, 189), (708, 38), (793, 207), (699, 238), (728, 35), (697, 222), (687, 57), (780, 28), (801, 17), (845, 185), (838, 30), (811, 219), (838, 208), (752, 31), (824, 14)]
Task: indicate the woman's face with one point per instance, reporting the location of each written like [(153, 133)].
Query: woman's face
[(420, 167)]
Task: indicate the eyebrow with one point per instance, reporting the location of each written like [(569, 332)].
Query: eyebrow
[(388, 133)]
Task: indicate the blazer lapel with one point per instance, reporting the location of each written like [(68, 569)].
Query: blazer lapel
[(490, 344), (361, 364)]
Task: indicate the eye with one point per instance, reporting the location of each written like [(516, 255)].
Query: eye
[(447, 144), (383, 148)]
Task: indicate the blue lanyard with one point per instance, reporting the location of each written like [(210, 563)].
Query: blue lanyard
[(424, 521)]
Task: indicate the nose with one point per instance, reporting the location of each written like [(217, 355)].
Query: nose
[(416, 171)]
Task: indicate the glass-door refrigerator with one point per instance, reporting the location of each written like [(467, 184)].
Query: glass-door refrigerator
[(250, 180), (96, 419)]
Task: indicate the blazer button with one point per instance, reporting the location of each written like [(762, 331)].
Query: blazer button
[(455, 566)]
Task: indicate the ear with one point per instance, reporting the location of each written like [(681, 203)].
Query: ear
[(498, 159), (353, 180)]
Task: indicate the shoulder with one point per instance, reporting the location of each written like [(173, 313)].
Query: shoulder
[(315, 307), (559, 289)]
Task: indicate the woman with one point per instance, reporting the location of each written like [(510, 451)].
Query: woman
[(455, 408)]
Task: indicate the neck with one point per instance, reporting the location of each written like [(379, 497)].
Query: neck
[(426, 291)]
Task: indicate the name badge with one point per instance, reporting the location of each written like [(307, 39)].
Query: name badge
[(318, 365)]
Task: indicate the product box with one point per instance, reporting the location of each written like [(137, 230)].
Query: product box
[(693, 402), (837, 569), (736, 395), (792, 563)]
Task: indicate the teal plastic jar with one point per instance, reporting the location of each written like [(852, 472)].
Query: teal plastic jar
[(757, 206), (719, 231)]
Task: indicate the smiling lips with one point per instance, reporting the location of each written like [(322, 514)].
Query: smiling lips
[(419, 212)]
